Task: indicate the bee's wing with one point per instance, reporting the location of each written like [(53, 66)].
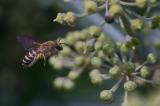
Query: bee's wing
[(27, 42)]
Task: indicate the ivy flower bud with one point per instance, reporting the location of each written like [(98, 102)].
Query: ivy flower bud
[(145, 72), (124, 49), (84, 35), (108, 49), (74, 74), (58, 83), (59, 18), (71, 39), (115, 72), (90, 6), (98, 46), (89, 46), (132, 43), (93, 73), (103, 38), (114, 60), (95, 77), (141, 3), (66, 51), (56, 63), (79, 46), (129, 67), (79, 60), (70, 18), (96, 62), (130, 86), (68, 84), (106, 96), (115, 10), (153, 2), (114, 2), (101, 54), (155, 22), (95, 31), (151, 58), (136, 24)]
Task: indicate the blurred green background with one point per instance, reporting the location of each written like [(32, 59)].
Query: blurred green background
[(33, 86)]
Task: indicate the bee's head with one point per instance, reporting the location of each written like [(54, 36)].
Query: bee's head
[(59, 46)]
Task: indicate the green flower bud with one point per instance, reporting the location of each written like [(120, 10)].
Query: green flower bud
[(98, 46), (108, 49), (74, 74), (145, 72), (106, 96), (79, 46), (103, 37), (90, 6), (68, 84), (114, 60), (88, 47), (114, 2), (95, 31), (157, 45), (95, 77), (76, 35), (97, 80), (58, 83), (132, 43), (141, 3), (66, 51), (56, 63), (130, 86), (101, 54), (71, 39), (70, 18), (151, 58), (79, 60), (94, 73), (124, 49), (59, 18), (115, 72), (96, 62), (84, 35), (115, 10), (153, 2), (136, 24), (129, 67), (155, 22)]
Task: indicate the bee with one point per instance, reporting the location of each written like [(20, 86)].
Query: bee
[(36, 50)]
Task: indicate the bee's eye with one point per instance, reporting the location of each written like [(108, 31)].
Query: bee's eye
[(59, 47)]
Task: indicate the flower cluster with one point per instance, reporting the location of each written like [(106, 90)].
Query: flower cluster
[(90, 49), (116, 10)]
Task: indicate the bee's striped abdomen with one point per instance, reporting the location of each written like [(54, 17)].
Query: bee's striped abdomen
[(29, 58)]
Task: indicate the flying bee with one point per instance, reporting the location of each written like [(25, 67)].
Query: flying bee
[(36, 51)]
